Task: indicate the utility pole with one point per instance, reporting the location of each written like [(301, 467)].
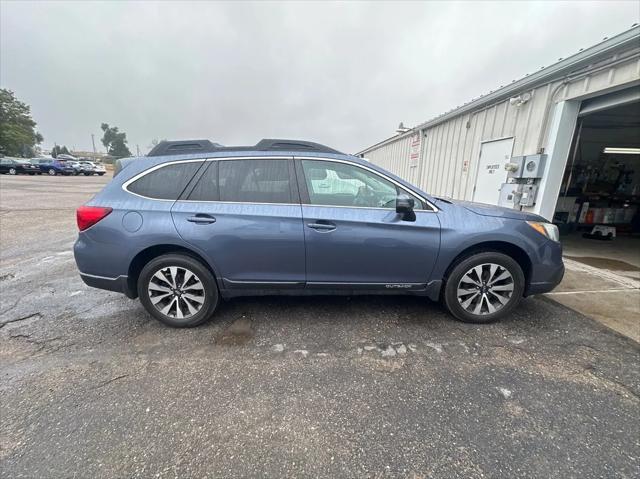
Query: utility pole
[(137, 150), (93, 142)]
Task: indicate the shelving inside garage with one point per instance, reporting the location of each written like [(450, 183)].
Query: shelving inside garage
[(601, 184)]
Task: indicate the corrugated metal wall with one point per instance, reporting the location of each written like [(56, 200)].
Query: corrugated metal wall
[(451, 149), (395, 157)]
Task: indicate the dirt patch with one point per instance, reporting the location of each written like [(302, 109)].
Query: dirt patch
[(237, 333), (604, 263)]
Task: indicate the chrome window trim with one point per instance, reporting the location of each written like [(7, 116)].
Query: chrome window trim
[(205, 160), (125, 185), (433, 209)]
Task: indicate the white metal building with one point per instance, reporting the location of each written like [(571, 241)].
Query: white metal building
[(463, 153)]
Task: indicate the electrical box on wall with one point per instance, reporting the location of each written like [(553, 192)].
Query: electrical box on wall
[(510, 194), (528, 195), (529, 166)]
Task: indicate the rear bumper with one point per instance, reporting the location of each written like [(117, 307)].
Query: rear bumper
[(119, 284)]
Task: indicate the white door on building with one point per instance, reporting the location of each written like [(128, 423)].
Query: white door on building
[(491, 173)]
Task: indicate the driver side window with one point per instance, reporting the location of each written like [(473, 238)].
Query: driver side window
[(339, 184)]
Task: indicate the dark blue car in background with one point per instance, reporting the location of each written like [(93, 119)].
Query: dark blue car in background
[(194, 222), (52, 166)]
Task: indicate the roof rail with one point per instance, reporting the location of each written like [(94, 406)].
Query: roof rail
[(166, 148), (293, 145), (181, 147)]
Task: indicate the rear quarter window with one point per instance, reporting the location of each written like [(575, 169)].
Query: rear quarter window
[(165, 183)]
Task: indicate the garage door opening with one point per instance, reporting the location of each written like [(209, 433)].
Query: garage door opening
[(601, 188)]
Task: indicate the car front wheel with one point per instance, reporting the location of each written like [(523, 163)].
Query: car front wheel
[(178, 290), (51, 172), (484, 287)]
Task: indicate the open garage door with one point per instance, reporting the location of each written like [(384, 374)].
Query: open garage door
[(598, 213), (601, 183)]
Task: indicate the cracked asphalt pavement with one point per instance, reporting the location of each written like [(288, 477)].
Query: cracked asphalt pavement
[(317, 387)]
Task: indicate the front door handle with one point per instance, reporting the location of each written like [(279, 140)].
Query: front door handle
[(201, 219), (322, 226)]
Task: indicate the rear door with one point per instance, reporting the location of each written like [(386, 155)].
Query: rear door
[(245, 215), (354, 237)]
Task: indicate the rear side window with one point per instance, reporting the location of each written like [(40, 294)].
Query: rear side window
[(255, 181), (207, 187), (165, 183)]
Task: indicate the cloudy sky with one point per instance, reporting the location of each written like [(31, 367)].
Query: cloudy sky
[(344, 74)]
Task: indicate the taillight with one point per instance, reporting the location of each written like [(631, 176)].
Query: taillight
[(88, 216)]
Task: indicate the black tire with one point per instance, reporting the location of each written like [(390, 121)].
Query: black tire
[(87, 174), (211, 296), (100, 174), (461, 268), (52, 172)]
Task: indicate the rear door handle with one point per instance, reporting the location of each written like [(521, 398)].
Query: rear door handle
[(322, 226), (201, 219)]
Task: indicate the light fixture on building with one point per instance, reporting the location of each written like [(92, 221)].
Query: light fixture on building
[(520, 99), (402, 129), (621, 151)]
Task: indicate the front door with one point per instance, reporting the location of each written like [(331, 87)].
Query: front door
[(353, 235), (491, 173), (245, 216)]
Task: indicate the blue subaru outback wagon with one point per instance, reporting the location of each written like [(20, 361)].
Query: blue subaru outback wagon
[(194, 222)]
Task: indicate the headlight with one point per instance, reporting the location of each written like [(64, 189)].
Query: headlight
[(547, 229)]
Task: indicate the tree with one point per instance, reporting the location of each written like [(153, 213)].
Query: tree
[(18, 136), (59, 150), (115, 141)]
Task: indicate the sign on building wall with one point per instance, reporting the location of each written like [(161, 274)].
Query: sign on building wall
[(414, 151)]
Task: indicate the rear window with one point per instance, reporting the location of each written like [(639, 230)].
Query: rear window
[(255, 181), (165, 183), (245, 181)]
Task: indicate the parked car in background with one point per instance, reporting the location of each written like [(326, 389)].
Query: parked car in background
[(78, 168), (18, 166), (91, 168), (53, 166), (194, 222)]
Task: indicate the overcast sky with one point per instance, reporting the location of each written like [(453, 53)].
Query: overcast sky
[(344, 74)]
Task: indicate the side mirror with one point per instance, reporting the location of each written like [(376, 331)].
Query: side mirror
[(404, 207)]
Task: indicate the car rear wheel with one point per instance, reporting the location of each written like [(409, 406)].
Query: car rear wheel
[(12, 171), (51, 172), (178, 290), (484, 287)]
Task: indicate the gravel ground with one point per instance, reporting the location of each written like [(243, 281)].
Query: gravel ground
[(321, 387)]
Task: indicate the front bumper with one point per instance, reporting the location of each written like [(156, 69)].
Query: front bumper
[(546, 286), (547, 268)]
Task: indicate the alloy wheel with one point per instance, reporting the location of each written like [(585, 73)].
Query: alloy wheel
[(485, 289), (176, 292), (12, 171)]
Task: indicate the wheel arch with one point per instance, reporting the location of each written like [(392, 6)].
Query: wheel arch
[(504, 247), (148, 254)]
